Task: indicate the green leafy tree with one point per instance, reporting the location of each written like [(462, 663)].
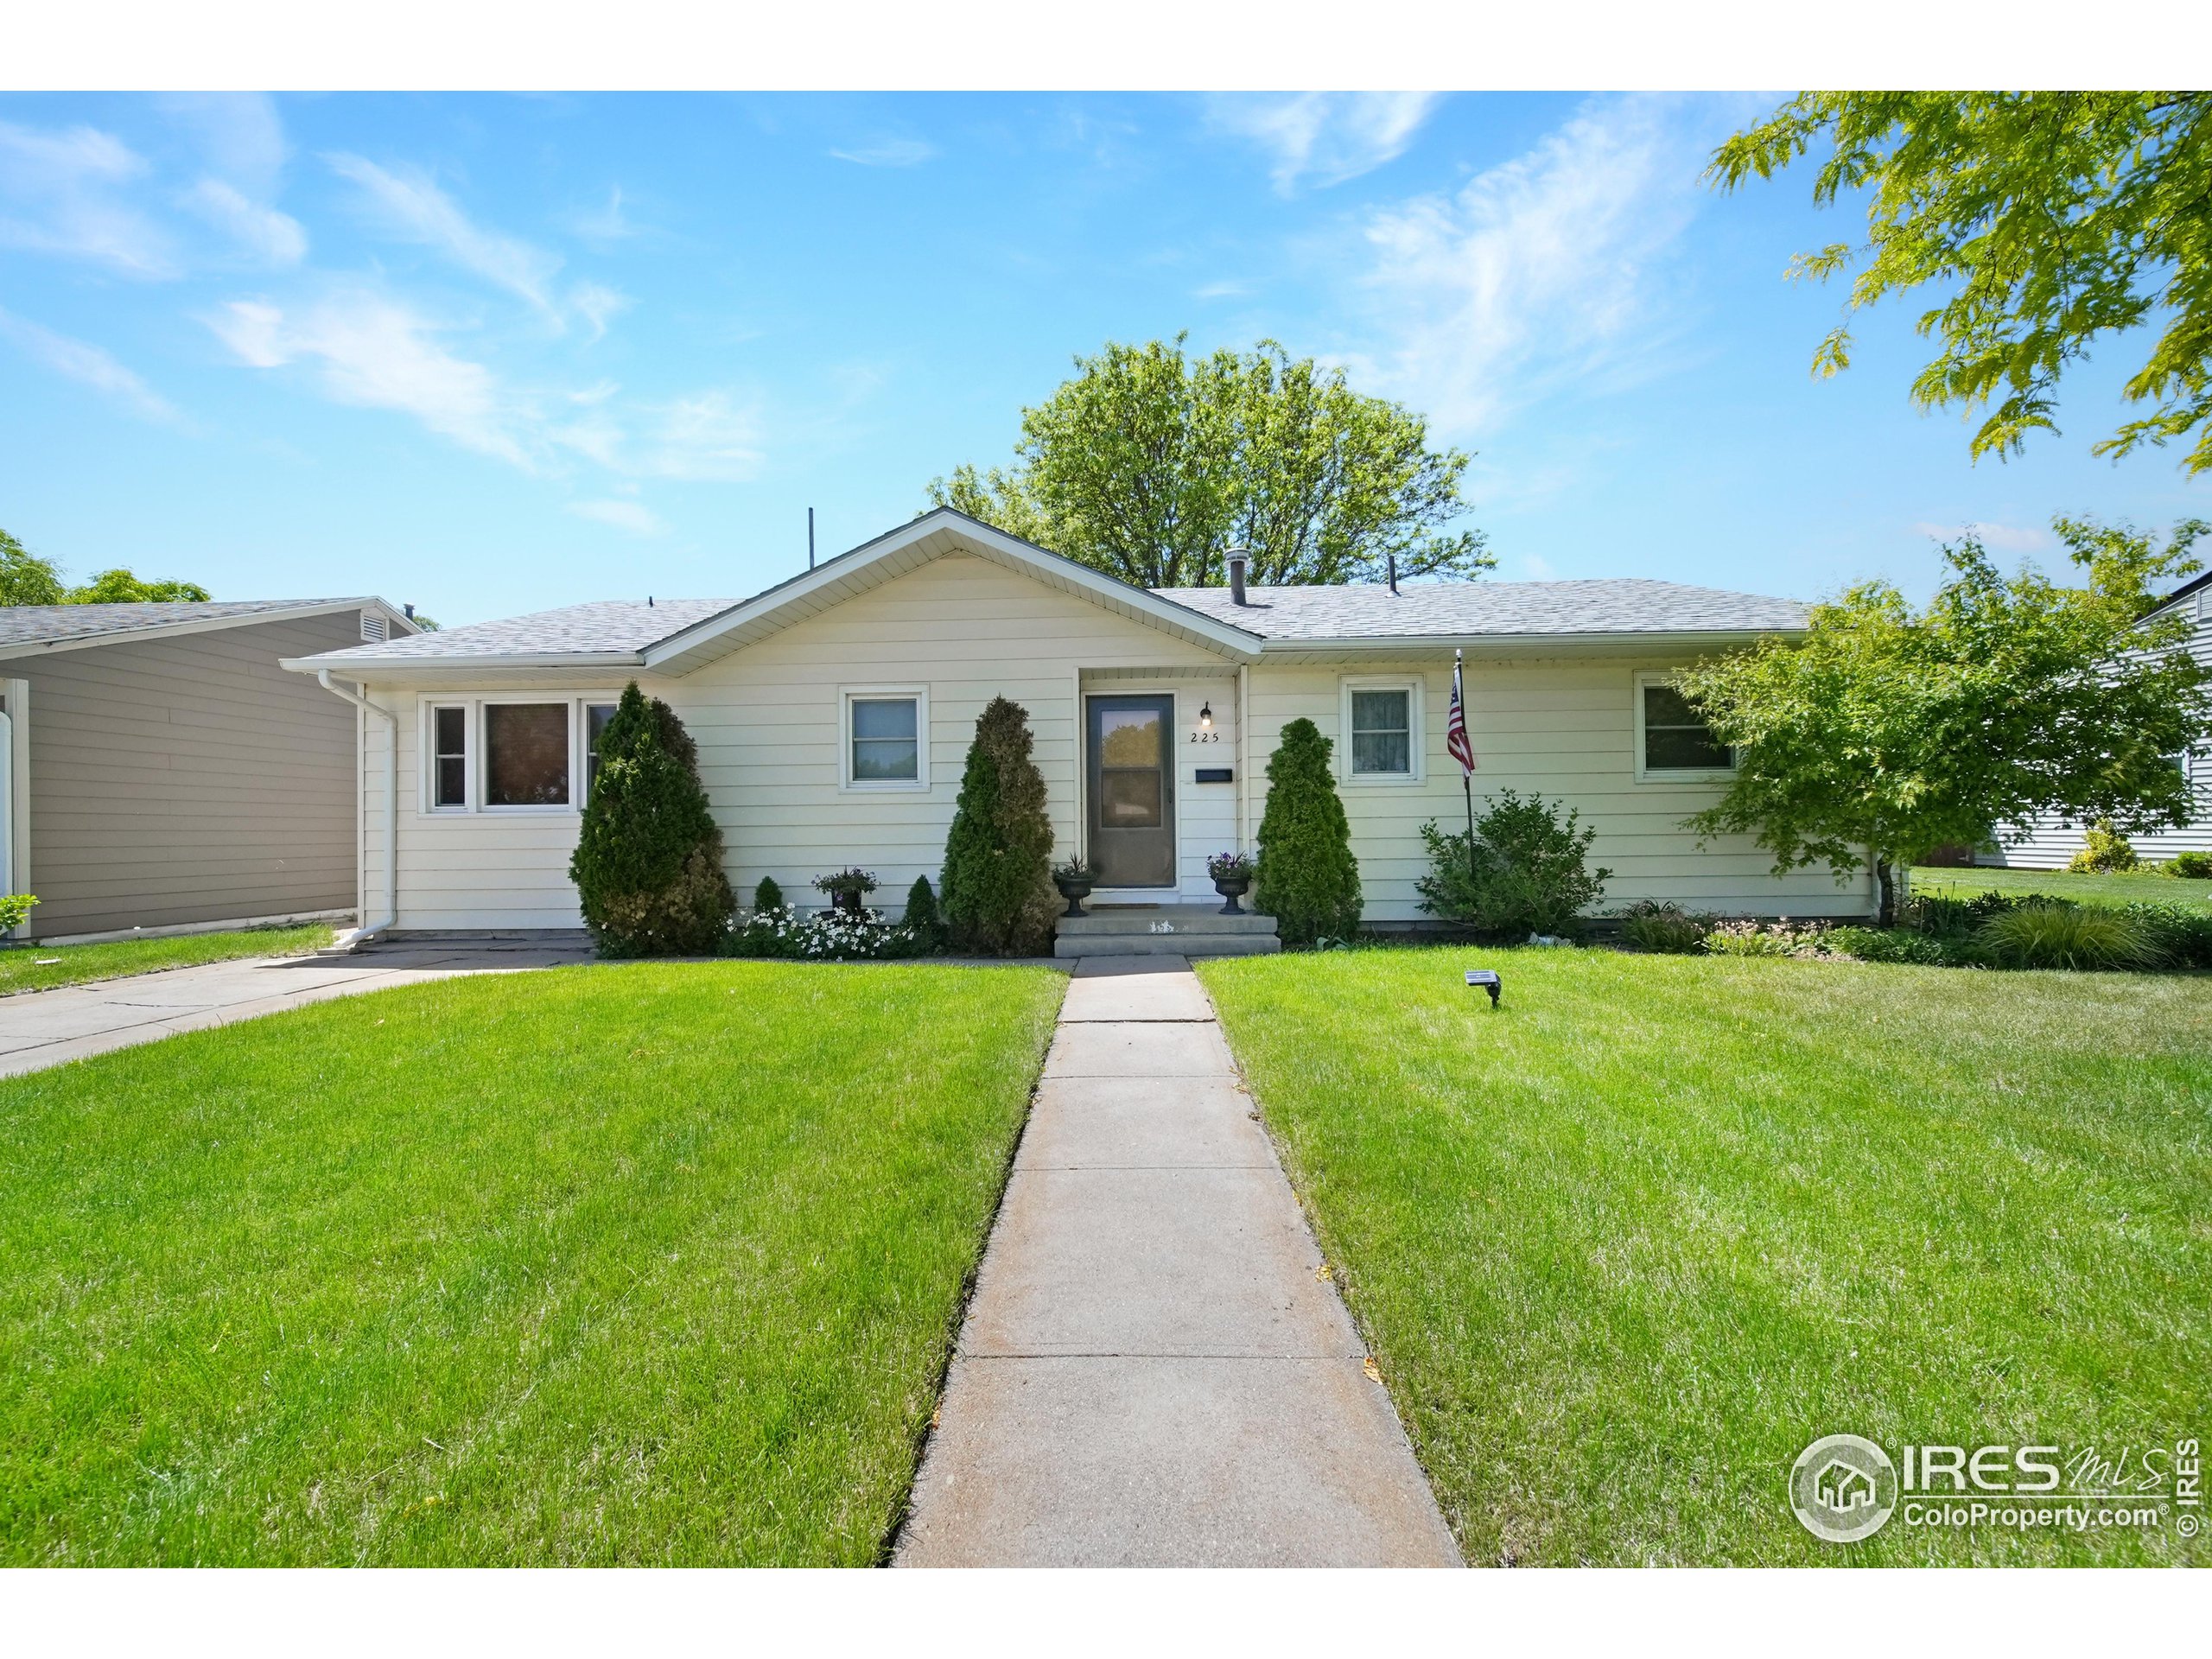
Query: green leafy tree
[(120, 586), (1886, 732), (25, 578), (1150, 463), (2044, 220), (648, 863), (996, 895), (1306, 877)]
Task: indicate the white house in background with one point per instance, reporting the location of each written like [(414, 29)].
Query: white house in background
[(2049, 843), (833, 714)]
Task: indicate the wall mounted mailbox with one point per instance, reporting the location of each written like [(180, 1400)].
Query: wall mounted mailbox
[(1217, 774)]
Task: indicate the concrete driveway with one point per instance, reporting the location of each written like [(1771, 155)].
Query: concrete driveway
[(43, 1028)]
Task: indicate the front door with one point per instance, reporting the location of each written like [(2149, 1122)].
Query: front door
[(1131, 755)]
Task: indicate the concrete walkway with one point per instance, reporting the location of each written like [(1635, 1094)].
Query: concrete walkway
[(1154, 1371), (43, 1028)]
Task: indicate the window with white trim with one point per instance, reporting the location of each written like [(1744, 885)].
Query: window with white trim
[(525, 755), (1674, 743), (883, 739), (1382, 727), (449, 757), (596, 718)]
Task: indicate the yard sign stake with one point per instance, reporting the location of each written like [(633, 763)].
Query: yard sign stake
[(1455, 740)]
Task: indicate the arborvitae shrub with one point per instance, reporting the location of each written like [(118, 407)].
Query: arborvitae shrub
[(648, 863), (921, 903), (767, 895), (1307, 878), (997, 892)]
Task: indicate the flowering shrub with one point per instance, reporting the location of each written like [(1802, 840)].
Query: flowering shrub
[(828, 936), (1755, 939)]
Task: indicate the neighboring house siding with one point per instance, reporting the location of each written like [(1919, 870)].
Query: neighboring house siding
[(2047, 843), (1562, 729), (768, 722), (189, 779)]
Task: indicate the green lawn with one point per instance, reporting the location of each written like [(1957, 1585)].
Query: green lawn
[(650, 1263), (41, 967), (2132, 889), (1624, 1248)]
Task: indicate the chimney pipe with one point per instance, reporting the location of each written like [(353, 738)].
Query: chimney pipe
[(1394, 572), (1236, 579)]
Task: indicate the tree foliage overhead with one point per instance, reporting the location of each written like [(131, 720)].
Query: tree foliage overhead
[(27, 579), (1150, 463), (2045, 219), (1887, 732), (996, 895), (648, 863)]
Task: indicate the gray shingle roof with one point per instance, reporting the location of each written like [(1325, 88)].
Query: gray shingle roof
[(1453, 609), (31, 625), (609, 626)]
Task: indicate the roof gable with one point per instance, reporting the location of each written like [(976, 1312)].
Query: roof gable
[(28, 629), (933, 535)]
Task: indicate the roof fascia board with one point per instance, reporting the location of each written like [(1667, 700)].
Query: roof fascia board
[(203, 625), (690, 647), (1368, 644), (400, 668)]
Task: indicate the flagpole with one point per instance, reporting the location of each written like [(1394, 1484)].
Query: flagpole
[(1466, 778)]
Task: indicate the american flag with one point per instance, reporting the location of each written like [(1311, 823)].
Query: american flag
[(1455, 735)]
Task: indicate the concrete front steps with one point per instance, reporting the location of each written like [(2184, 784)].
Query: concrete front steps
[(1164, 931)]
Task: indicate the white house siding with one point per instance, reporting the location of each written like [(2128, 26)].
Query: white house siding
[(2047, 843), (767, 721), (1566, 729)]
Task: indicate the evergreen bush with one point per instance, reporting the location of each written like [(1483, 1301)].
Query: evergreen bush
[(648, 863), (1307, 879), (997, 893), (2192, 865), (767, 895)]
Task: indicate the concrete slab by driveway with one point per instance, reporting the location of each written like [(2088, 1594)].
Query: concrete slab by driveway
[(1154, 1371), (42, 1028)]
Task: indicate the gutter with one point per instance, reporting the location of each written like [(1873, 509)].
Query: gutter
[(347, 942)]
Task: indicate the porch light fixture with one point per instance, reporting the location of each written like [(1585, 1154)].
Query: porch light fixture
[(1205, 716)]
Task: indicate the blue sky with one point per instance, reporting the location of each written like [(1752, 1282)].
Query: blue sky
[(492, 354)]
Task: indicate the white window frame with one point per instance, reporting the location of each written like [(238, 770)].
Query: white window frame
[(1416, 689), (1644, 775), (847, 696), (581, 777), (426, 800), (482, 734)]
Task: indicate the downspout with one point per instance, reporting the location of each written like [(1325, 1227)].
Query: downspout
[(390, 813)]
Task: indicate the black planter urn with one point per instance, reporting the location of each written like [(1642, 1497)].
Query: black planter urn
[(1231, 887), (1075, 889)]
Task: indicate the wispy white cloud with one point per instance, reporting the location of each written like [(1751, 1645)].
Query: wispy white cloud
[(892, 152), (411, 207), (596, 303), (603, 227), (1325, 137), (1538, 273), (2005, 538), (77, 360), (271, 237), (240, 135), (63, 190), (1221, 290), (705, 437), (374, 352), (632, 515)]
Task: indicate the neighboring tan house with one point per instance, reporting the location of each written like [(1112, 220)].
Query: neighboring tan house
[(159, 769), (834, 712), (2049, 843)]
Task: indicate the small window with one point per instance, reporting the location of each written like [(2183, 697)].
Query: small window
[(526, 754), (885, 741), (1675, 736), (1381, 734), (596, 715), (449, 758)]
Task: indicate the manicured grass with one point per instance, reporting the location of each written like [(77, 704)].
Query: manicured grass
[(2138, 888), (653, 1263), (41, 967), (1627, 1246)]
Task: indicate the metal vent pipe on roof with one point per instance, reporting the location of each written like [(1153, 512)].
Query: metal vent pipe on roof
[(1236, 557)]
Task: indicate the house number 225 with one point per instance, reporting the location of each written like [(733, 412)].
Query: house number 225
[(1206, 737)]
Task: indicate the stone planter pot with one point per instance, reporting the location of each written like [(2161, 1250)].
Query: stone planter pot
[(1075, 890), (1231, 887)]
